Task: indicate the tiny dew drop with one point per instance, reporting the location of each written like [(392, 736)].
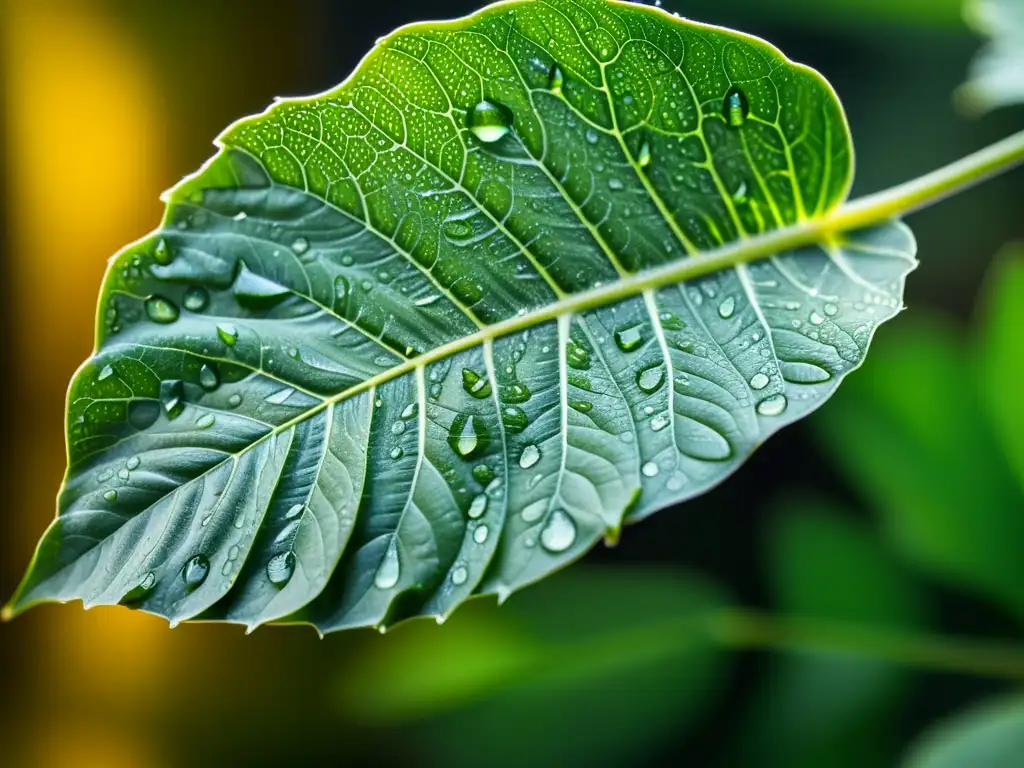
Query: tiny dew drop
[(195, 571), (735, 107), (773, 406), (459, 575), (235, 400), (581, 405), (228, 334), (629, 338), (490, 121), (208, 378), (643, 158), (831, 310), (660, 421), (529, 457), (110, 496), (389, 570), (196, 298), (515, 393), (206, 421), (559, 533), (294, 511), (556, 80), (300, 245), (650, 379), (106, 373), (409, 411), (397, 452), (280, 568), (475, 385), (671, 322), (133, 462), (514, 418), (161, 310), (480, 534), (650, 469)]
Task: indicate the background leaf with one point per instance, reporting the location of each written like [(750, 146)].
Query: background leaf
[(345, 384), (997, 72), (989, 736), (822, 708), (570, 662)]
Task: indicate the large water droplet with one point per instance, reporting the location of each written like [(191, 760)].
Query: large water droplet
[(206, 421), (208, 378), (556, 80), (650, 379), (727, 307), (480, 534), (581, 405), (515, 393), (759, 381), (490, 121), (280, 568), (577, 356), (172, 397), (196, 298), (475, 385), (161, 310), (772, 406), (195, 571), (110, 496), (459, 575), (629, 338), (300, 245), (133, 462), (228, 333), (529, 457), (468, 436), (483, 474), (388, 572), (254, 291), (163, 254), (559, 533), (735, 107), (514, 418), (478, 506), (650, 469)]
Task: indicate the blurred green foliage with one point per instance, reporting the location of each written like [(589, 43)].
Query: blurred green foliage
[(990, 736)]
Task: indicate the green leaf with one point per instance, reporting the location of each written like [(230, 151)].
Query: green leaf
[(989, 736), (996, 76), (912, 435), (423, 337), (505, 687), (1001, 365), (828, 708)]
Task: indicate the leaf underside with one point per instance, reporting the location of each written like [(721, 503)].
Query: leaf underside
[(267, 432)]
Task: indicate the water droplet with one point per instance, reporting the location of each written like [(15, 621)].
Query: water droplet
[(591, 136), (478, 506), (163, 254), (650, 469), (475, 385), (616, 185), (138, 593), (459, 575), (772, 406), (740, 195), (110, 496), (735, 107), (630, 337), (196, 298), (398, 428), (294, 511), (123, 474), (480, 534), (142, 414), (816, 319), (388, 572), (514, 418), (235, 400), (643, 158), (831, 310), (161, 310), (515, 393), (529, 457), (106, 373), (458, 229), (727, 307), (172, 397), (195, 571), (397, 452), (671, 322), (556, 80), (300, 245), (577, 356), (650, 379), (483, 474), (490, 121), (660, 421), (759, 381), (228, 333), (254, 291), (133, 463), (206, 421), (559, 533), (280, 568), (804, 373), (468, 436), (581, 405), (208, 378)]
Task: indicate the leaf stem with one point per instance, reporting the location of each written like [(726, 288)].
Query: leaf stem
[(742, 628)]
